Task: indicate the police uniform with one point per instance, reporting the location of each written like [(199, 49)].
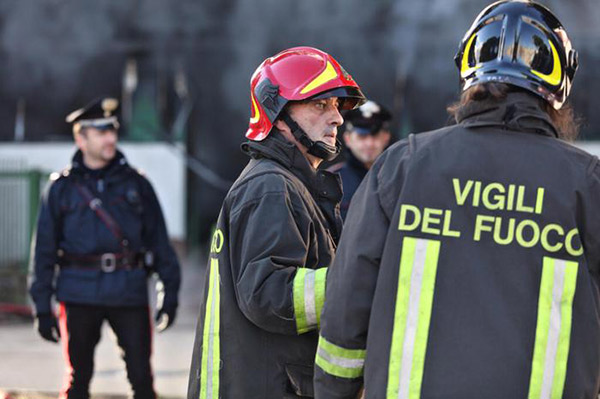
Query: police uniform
[(96, 230), (469, 262)]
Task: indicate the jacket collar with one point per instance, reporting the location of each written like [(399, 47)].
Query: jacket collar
[(325, 187), (519, 111), (116, 165), (279, 149), (353, 162)]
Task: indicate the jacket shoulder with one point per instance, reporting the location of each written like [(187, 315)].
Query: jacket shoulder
[(586, 159), (137, 175), (265, 174), (262, 178), (60, 178)]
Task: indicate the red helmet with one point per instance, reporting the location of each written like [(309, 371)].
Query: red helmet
[(297, 74)]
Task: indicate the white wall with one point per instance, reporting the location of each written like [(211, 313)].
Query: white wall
[(162, 165), (593, 147)]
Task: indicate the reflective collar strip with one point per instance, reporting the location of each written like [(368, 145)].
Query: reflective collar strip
[(211, 359), (309, 296), (414, 299), (338, 361), (553, 329)]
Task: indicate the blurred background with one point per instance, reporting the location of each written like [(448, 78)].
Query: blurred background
[(181, 70)]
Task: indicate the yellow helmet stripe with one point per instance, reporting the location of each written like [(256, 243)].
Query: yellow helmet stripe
[(256, 112), (465, 70), (328, 74), (555, 76)]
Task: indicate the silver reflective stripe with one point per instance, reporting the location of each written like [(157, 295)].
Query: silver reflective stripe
[(340, 361), (554, 331), (309, 298), (209, 388), (211, 336), (416, 280)]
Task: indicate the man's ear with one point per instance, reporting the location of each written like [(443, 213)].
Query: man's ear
[(281, 126), (79, 137)]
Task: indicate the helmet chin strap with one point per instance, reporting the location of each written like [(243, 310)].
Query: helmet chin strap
[(317, 148)]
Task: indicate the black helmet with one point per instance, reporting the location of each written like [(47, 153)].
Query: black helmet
[(520, 43), (369, 118)]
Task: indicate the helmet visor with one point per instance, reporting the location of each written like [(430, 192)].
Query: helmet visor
[(350, 97)]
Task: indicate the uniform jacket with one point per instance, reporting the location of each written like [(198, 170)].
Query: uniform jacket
[(468, 267), (352, 172), (67, 225), (275, 238)]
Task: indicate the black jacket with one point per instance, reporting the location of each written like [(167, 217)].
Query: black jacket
[(352, 172), (66, 225), (468, 267), (275, 238)]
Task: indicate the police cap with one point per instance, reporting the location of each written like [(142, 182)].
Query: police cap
[(369, 118), (100, 114)]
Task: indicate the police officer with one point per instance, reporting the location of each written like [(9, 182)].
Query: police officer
[(276, 235), (469, 263), (99, 224), (366, 135)]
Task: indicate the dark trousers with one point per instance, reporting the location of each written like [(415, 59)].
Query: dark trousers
[(80, 327)]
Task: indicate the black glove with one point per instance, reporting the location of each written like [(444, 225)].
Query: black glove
[(165, 317), (47, 327)]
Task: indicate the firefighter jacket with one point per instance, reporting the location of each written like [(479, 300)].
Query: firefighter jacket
[(68, 227), (265, 284), (468, 267)]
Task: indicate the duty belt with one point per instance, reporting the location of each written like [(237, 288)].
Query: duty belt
[(108, 262)]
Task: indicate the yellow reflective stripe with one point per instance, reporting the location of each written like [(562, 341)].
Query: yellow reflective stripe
[(465, 70), (298, 294), (211, 358), (328, 74), (256, 116), (553, 329), (414, 300), (555, 76), (309, 296), (338, 361)]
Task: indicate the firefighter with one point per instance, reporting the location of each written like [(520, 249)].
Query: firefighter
[(275, 236), (366, 135), (469, 262), (101, 224)]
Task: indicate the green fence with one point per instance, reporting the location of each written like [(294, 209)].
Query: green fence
[(19, 200)]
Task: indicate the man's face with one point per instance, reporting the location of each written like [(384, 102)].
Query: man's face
[(320, 119), (98, 146), (367, 147)]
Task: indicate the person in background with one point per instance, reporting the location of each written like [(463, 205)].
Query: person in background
[(100, 233), (366, 136)]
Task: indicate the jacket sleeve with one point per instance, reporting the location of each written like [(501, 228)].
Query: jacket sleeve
[(269, 240), (156, 239), (351, 283), (44, 251)]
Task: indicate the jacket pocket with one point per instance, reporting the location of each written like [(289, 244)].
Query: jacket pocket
[(299, 381)]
